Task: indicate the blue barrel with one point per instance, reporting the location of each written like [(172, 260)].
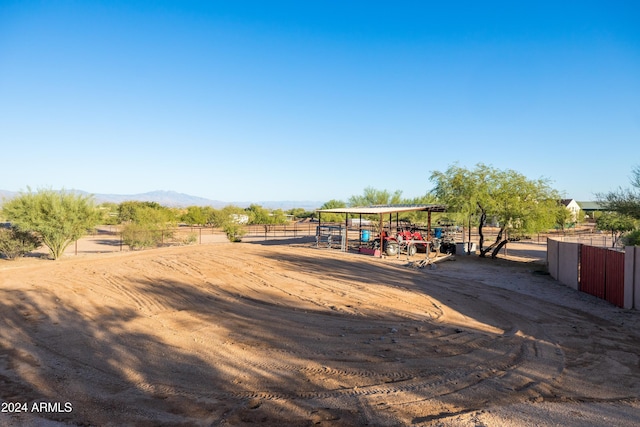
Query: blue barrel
[(364, 235), (437, 232)]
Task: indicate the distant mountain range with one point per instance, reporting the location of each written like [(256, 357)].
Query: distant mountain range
[(175, 199)]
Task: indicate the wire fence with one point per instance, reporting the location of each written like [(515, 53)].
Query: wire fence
[(110, 238), (279, 231)]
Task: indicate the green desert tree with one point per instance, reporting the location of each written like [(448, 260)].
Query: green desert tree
[(625, 201), (108, 213), (514, 201), (138, 211), (149, 224), (615, 223), (372, 196), (464, 192), (301, 213), (231, 219), (263, 216), (59, 218), (564, 216), (420, 217), (197, 215), (330, 216)]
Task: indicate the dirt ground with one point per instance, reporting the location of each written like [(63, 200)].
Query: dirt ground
[(286, 334)]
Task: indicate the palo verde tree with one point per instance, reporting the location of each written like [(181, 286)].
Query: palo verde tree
[(506, 196), (59, 218), (371, 196)]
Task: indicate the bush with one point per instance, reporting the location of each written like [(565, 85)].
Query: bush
[(632, 238), (15, 243), (191, 239), (234, 231), (140, 236)]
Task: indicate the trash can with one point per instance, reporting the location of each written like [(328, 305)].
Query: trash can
[(364, 235), (437, 233)]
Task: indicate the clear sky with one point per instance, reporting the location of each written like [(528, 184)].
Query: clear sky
[(315, 100)]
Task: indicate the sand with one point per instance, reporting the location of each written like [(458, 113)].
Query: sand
[(286, 334)]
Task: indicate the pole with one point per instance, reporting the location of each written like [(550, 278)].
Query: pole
[(381, 239), (469, 242), (346, 231)]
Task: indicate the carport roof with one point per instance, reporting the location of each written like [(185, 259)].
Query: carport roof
[(385, 209)]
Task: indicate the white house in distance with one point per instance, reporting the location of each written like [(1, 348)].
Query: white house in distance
[(573, 207)]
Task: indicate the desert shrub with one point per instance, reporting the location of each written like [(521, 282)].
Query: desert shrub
[(190, 239), (15, 243), (140, 236), (234, 231)]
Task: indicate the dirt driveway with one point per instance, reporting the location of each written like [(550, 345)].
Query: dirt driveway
[(243, 334)]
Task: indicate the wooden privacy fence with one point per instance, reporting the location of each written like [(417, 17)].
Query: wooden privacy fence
[(605, 273)]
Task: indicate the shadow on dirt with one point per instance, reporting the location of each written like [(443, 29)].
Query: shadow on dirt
[(256, 357)]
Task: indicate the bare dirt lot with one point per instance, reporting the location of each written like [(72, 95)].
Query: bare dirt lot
[(287, 334)]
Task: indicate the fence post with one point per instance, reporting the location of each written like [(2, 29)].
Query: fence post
[(629, 273)]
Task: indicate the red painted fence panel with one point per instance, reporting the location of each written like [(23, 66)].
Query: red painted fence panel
[(614, 278), (592, 270)]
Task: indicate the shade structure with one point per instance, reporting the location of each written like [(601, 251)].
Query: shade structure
[(386, 209), (381, 210)]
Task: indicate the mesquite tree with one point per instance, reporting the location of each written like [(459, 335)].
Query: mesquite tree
[(505, 196)]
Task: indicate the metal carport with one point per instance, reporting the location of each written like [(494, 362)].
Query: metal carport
[(381, 210)]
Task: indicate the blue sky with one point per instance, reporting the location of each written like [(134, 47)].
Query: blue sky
[(315, 100)]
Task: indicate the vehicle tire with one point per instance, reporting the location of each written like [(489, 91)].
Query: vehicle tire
[(411, 250), (392, 248)]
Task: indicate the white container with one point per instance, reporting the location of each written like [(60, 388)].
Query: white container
[(461, 248)]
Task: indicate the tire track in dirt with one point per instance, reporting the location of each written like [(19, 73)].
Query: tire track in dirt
[(231, 327), (457, 343)]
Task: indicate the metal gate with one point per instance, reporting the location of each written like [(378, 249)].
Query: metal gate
[(592, 270), (614, 278), (602, 273)]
